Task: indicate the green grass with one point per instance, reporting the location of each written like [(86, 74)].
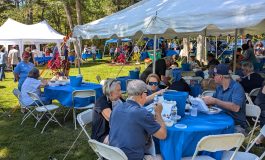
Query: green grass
[(24, 142)]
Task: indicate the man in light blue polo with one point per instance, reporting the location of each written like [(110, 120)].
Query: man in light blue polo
[(131, 125), (229, 96)]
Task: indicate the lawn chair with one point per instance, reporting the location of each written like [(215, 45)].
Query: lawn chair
[(30, 109), (81, 94), (83, 118), (262, 133), (214, 143), (106, 151), (45, 110), (253, 111)]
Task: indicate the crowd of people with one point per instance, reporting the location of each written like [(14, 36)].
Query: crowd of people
[(127, 125)]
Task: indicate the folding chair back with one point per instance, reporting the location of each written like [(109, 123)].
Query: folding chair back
[(85, 118), (262, 133), (17, 93), (223, 142), (254, 92), (106, 151), (208, 93), (35, 98), (84, 94)]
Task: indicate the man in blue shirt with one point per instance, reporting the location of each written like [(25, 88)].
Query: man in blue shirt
[(22, 69), (229, 96), (131, 125)]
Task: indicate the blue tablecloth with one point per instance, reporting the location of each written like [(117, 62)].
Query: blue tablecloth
[(123, 82), (182, 142), (64, 94), (86, 56), (144, 55), (172, 52), (71, 59), (42, 59)]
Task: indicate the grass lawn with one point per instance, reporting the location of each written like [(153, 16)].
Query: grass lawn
[(24, 142)]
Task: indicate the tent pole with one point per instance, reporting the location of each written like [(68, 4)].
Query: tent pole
[(235, 47), (154, 62), (216, 47)]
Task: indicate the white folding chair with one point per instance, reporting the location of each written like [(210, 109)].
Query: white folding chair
[(83, 118), (29, 109), (45, 110), (262, 133), (106, 151), (81, 94), (214, 143), (253, 93), (208, 93), (252, 111)]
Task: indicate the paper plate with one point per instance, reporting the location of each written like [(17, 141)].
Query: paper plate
[(181, 126)]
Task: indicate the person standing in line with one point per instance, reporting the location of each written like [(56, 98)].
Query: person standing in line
[(13, 57), (3, 59)]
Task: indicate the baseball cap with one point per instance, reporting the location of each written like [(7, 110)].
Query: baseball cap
[(25, 55), (221, 69)]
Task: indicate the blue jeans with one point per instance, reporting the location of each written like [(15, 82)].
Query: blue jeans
[(2, 71)]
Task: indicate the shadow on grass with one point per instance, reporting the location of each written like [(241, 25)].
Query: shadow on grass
[(2, 87)]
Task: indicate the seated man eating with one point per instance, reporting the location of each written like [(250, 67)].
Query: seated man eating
[(229, 96), (131, 124)]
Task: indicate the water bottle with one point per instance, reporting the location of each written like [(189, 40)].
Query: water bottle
[(174, 112), (156, 99)]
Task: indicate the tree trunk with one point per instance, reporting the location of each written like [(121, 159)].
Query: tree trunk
[(78, 12), (71, 25)]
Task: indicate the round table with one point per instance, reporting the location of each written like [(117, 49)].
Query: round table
[(182, 142), (64, 94)]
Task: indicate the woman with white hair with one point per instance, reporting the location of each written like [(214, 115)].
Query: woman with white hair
[(103, 109)]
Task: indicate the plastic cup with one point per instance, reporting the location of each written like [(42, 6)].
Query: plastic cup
[(194, 112)]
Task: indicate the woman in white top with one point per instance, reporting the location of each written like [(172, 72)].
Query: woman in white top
[(32, 84)]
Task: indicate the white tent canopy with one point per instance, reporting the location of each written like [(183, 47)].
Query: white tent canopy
[(180, 17), (13, 32)]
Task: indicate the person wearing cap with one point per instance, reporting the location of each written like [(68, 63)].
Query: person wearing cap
[(13, 57), (193, 61), (32, 60), (131, 125), (160, 69), (22, 69), (229, 96)]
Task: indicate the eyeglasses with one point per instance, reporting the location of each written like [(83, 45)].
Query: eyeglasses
[(146, 92), (153, 83)]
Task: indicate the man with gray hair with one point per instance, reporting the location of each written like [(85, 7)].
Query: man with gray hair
[(161, 66), (251, 80), (131, 124)]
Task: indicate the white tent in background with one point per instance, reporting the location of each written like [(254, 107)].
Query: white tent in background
[(13, 32), (180, 17), (171, 18)]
